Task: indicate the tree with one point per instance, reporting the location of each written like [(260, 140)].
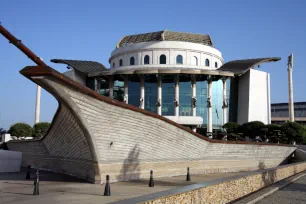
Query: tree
[(274, 133), (251, 129), (20, 130), (293, 132), (40, 129), (231, 127)]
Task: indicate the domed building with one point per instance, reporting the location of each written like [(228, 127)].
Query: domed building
[(182, 77)]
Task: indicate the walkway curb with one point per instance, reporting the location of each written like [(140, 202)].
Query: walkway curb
[(272, 188)]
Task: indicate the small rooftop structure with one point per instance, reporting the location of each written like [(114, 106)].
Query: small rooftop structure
[(166, 35)]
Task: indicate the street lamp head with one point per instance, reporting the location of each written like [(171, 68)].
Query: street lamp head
[(290, 60)]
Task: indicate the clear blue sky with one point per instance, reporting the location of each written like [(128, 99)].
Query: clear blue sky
[(89, 30)]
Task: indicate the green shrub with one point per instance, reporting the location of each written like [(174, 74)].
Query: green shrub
[(251, 129), (40, 129), (21, 130), (231, 127), (293, 131)]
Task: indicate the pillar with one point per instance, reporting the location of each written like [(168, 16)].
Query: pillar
[(290, 87), (193, 95), (37, 108), (126, 89), (176, 95), (111, 87), (142, 93), (159, 95), (97, 85), (209, 104), (225, 105)]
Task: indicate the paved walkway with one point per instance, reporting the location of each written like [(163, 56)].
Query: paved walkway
[(294, 193), (57, 188)]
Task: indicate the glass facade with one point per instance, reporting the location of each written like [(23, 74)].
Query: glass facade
[(134, 93), (151, 96), (184, 98), (118, 90), (167, 98)]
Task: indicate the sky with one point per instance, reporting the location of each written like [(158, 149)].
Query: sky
[(89, 30)]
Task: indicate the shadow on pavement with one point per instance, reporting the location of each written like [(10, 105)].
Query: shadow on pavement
[(43, 176)]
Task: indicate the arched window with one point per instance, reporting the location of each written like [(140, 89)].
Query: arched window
[(146, 59), (216, 64), (194, 60), (207, 62), (162, 59), (132, 61), (179, 59), (113, 64), (120, 62)]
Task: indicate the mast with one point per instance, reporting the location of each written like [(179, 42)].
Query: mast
[(291, 103), (12, 39)]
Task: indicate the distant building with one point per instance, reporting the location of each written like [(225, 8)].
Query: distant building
[(5, 137), (280, 113)]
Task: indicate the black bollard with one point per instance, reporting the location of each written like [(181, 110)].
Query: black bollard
[(28, 176), (188, 175), (36, 184), (151, 183), (107, 191)]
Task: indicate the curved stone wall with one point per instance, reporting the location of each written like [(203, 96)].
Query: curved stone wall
[(127, 142)]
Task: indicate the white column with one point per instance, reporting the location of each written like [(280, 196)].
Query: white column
[(176, 95), (126, 89), (193, 95), (159, 95), (97, 84), (142, 93), (111, 87), (225, 105), (291, 105), (37, 108), (209, 104)]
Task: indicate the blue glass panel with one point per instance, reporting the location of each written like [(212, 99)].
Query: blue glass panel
[(134, 93), (185, 98), (217, 100), (167, 99), (201, 92), (150, 96)]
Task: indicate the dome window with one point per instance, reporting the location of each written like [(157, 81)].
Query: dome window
[(162, 59), (146, 59), (207, 62), (132, 61), (179, 59)]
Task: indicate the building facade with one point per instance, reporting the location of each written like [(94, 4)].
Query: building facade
[(182, 77), (280, 113)]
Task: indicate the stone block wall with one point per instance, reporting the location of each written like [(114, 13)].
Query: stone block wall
[(225, 191)]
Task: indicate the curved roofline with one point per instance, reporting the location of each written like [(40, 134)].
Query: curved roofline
[(239, 67)]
